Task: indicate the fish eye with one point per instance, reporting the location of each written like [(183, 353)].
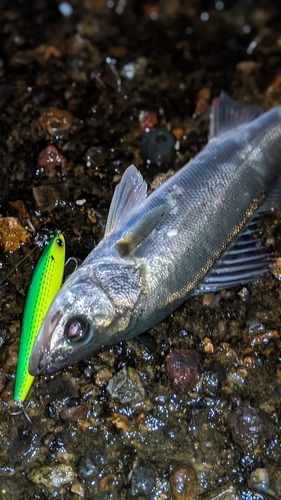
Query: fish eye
[(77, 329)]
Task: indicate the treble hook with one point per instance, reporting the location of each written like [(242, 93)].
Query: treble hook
[(22, 410)]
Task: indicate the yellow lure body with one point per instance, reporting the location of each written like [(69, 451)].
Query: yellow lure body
[(46, 282)]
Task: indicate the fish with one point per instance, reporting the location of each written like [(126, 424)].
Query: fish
[(46, 281), (194, 234)]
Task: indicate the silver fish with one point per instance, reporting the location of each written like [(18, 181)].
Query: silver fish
[(159, 250)]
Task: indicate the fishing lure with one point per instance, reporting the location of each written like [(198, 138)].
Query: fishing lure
[(45, 283)]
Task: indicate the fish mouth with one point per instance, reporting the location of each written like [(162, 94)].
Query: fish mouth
[(46, 365), (38, 360), (40, 354)]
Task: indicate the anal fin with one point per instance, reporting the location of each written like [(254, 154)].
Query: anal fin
[(246, 258), (243, 261)]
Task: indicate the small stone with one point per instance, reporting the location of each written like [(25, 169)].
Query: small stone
[(103, 376), (83, 425), (44, 198), (50, 157), (81, 202), (75, 413), (183, 367), (259, 480), (126, 387), (148, 120), (208, 346), (47, 197), (109, 482), (52, 477), (213, 378), (158, 147), (78, 489), (95, 156), (120, 421), (55, 121), (134, 68), (143, 480), (184, 483), (249, 426)]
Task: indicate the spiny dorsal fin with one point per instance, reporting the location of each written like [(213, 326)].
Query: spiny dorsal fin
[(129, 193), (228, 114)]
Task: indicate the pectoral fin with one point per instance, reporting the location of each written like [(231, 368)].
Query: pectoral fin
[(141, 228)]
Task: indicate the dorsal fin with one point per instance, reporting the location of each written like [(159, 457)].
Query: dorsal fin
[(228, 114), (129, 193)]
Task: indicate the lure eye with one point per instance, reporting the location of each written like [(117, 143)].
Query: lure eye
[(77, 329), (60, 243)]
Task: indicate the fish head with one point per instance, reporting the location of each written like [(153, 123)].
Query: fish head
[(86, 315)]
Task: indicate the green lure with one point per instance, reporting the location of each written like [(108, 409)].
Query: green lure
[(46, 282)]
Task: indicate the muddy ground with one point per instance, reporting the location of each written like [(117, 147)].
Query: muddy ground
[(80, 83)]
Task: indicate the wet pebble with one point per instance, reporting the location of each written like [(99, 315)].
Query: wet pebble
[(109, 482), (213, 378), (50, 157), (52, 477), (92, 461), (55, 121), (143, 480), (227, 492), (75, 413), (158, 147), (259, 480), (183, 367), (148, 120), (134, 68), (47, 197), (103, 376), (44, 198), (78, 489), (95, 156), (126, 387), (120, 421), (249, 426), (183, 482)]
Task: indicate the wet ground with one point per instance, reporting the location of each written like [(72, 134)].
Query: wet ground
[(80, 82)]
